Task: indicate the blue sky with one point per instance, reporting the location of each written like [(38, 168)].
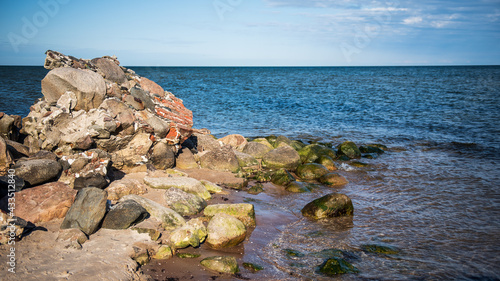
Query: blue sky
[(254, 32)]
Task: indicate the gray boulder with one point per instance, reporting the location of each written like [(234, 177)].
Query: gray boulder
[(225, 231), (186, 204), (87, 211), (256, 149), (124, 215), (281, 157), (37, 171), (110, 70), (220, 159)]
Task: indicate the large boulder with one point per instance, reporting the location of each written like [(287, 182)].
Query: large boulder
[(192, 234), (44, 202), (333, 179), (349, 149), (163, 156), (204, 142), (222, 264), (225, 231), (37, 171), (124, 214), (186, 184), (331, 205), (243, 211), (110, 70), (119, 188), (311, 171), (186, 204), (88, 86), (235, 141), (245, 160), (87, 211), (185, 160), (220, 159), (256, 149), (313, 152), (281, 157)]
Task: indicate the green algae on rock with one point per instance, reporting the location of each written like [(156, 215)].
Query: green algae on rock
[(243, 211), (282, 177), (223, 264), (252, 266), (335, 266), (331, 205), (311, 171), (333, 179), (349, 149), (225, 231), (312, 152), (379, 249)]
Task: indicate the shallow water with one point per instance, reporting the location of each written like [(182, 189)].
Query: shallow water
[(434, 195)]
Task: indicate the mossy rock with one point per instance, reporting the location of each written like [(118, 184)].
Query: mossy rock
[(349, 149), (187, 255), (243, 211), (282, 177), (335, 266), (252, 267), (311, 171), (379, 249), (272, 139), (359, 164), (297, 145), (153, 233), (282, 157), (371, 149), (223, 264), (256, 189), (333, 179), (262, 176), (281, 140), (290, 253), (311, 153), (142, 259), (327, 161), (298, 187), (331, 205), (264, 141), (164, 252)]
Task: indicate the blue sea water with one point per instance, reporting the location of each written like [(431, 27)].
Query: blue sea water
[(435, 195)]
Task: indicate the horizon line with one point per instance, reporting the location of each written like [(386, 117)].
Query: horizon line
[(290, 66)]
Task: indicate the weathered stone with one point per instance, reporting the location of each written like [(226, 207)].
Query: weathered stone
[(281, 157), (185, 160), (169, 218), (204, 142), (298, 187), (5, 157), (222, 264), (44, 154), (311, 171), (17, 150), (163, 253), (225, 231), (5, 186), (68, 101), (133, 101), (282, 177), (6, 124), (110, 70), (38, 170), (186, 184), (151, 86), (256, 149), (243, 211), (118, 189), (265, 141), (349, 149), (144, 97), (191, 234), (186, 204), (135, 151), (235, 141), (93, 180), (327, 161), (220, 159), (256, 189), (282, 140), (73, 237), (124, 215), (163, 156), (119, 111), (44, 202), (333, 179), (87, 211), (245, 160), (89, 87), (211, 187), (311, 153), (331, 205)]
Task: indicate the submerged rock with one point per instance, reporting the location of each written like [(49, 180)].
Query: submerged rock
[(298, 187), (223, 264), (335, 266), (349, 149), (333, 179), (225, 231), (379, 249), (331, 205), (282, 177)]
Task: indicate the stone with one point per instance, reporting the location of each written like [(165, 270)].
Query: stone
[(256, 149), (281, 157), (110, 70), (235, 141), (349, 149), (186, 184), (88, 86), (72, 237), (211, 187), (297, 145), (245, 160), (151, 86), (311, 153), (37, 171), (92, 180), (6, 125), (5, 186), (222, 264), (163, 156), (327, 161), (256, 189), (169, 218), (87, 211), (44, 154), (266, 141), (185, 160), (331, 205), (379, 249), (134, 152), (282, 177), (335, 266), (118, 189), (333, 179), (298, 187), (17, 150), (133, 102), (44, 202), (243, 211), (120, 111), (311, 171), (5, 157), (186, 204), (220, 159), (163, 253), (192, 234), (68, 101), (124, 215), (204, 142), (280, 140), (252, 267), (225, 231)]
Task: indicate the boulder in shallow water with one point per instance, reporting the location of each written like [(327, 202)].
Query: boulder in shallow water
[(282, 177), (335, 266), (311, 171), (281, 157), (225, 231), (222, 264), (243, 211), (298, 187), (312, 152), (349, 149), (333, 179), (331, 205)]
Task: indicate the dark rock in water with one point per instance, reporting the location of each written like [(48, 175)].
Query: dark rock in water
[(311, 171), (252, 266), (37, 171), (186, 204), (257, 150), (256, 189), (298, 187), (281, 157), (93, 180), (333, 179), (282, 177), (327, 161), (349, 149), (312, 152), (124, 215), (290, 253), (163, 156), (371, 149), (87, 211), (335, 266), (110, 70), (224, 264), (331, 205), (379, 249), (220, 159)]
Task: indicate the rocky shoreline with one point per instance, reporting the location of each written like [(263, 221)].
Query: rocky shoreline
[(106, 173)]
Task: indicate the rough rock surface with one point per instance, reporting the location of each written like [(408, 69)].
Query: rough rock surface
[(124, 214), (281, 157), (220, 159), (5, 157), (186, 204), (186, 184), (349, 149), (87, 211), (331, 205), (243, 211), (257, 149), (222, 264), (37, 171), (235, 141), (185, 160), (311, 171), (225, 231), (119, 188)]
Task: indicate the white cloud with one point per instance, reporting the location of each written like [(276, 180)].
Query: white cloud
[(412, 20)]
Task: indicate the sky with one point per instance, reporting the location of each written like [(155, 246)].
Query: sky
[(254, 32)]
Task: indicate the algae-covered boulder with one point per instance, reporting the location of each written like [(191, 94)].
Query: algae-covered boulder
[(333, 179), (186, 204), (327, 161), (245, 160), (243, 211), (186, 184), (282, 177), (335, 266), (312, 152), (225, 231), (379, 249), (223, 264), (256, 189), (163, 253), (281, 157), (257, 149), (349, 149), (191, 234), (331, 205), (298, 187), (311, 171)]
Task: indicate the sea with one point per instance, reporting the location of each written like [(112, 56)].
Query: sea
[(433, 197)]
